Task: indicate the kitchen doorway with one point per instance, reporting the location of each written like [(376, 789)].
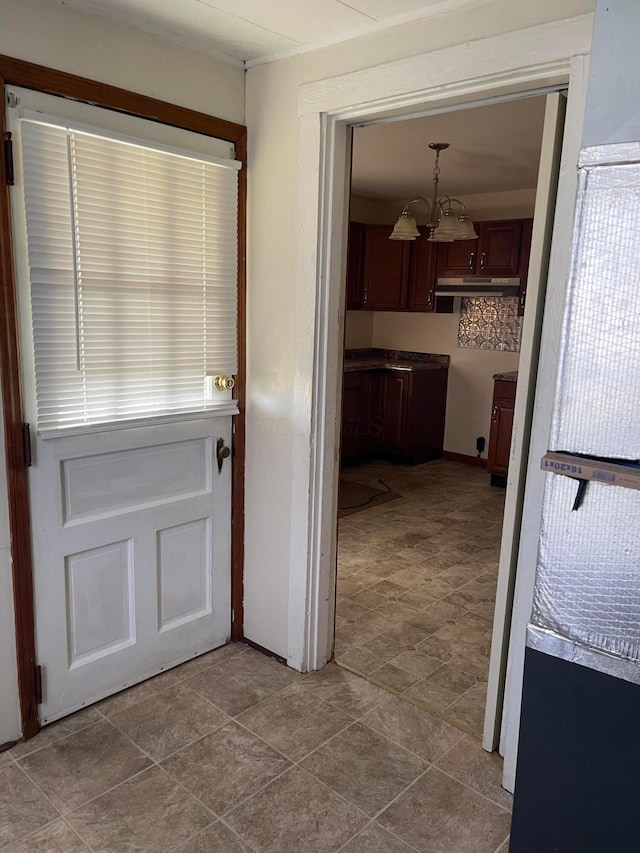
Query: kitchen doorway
[(421, 518)]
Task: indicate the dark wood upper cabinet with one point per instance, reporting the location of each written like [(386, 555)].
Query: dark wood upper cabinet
[(499, 245), (422, 274), (392, 275), (386, 271), (355, 264), (498, 252), (527, 231), (457, 259)]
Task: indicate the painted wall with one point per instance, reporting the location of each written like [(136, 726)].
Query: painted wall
[(612, 114), (465, 25), (271, 281), (358, 329), (60, 37), (470, 390), (272, 113)]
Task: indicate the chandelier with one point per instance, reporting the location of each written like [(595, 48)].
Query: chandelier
[(446, 223)]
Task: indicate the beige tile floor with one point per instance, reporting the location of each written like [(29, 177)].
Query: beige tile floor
[(416, 585), (234, 752)]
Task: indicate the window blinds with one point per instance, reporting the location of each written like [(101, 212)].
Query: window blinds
[(133, 269)]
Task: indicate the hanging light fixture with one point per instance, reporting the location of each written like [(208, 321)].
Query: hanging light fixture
[(446, 223)]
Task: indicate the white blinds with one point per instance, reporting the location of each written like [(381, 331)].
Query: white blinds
[(133, 269)]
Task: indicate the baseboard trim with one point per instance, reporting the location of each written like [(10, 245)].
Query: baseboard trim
[(466, 460)]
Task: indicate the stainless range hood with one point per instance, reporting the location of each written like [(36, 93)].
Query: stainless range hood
[(477, 287)]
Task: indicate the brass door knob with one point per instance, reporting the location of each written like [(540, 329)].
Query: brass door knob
[(222, 453), (223, 383)]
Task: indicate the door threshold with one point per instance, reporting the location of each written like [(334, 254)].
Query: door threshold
[(424, 706)]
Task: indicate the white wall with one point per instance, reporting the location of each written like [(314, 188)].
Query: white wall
[(463, 26), (272, 113), (612, 114), (470, 389), (358, 329), (60, 37), (272, 268)]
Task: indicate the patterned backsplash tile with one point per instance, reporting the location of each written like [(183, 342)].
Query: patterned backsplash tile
[(490, 323)]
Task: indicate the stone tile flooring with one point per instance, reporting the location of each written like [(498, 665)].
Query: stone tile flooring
[(233, 752), (416, 585)]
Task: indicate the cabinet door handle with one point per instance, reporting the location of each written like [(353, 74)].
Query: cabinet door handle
[(366, 296), (523, 298), (494, 416), (472, 260), (483, 258), (430, 298)]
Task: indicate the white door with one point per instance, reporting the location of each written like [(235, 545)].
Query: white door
[(131, 517), (131, 549)]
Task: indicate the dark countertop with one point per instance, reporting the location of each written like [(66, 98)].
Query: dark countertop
[(381, 359), (506, 377)]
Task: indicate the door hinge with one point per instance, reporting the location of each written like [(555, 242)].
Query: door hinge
[(26, 444), (8, 158), (38, 684)]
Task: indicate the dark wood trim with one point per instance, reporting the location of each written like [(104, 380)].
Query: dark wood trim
[(17, 481), (17, 72), (462, 457), (237, 486)]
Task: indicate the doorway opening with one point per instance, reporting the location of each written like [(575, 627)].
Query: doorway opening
[(429, 391)]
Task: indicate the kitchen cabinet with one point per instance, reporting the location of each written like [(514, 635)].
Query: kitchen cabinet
[(498, 252), (421, 294), (396, 275), (504, 395), (392, 275), (355, 264), (386, 270), (360, 413), (394, 414), (395, 388)]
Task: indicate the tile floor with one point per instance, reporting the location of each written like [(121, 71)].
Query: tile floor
[(234, 752), (416, 585)]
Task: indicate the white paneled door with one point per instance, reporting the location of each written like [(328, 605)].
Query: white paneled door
[(131, 547), (126, 258)]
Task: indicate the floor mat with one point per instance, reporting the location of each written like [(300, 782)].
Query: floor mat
[(354, 497)]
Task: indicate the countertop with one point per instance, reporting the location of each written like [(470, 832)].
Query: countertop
[(506, 377), (381, 359)]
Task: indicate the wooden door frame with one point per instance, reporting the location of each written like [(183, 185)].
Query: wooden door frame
[(16, 72)]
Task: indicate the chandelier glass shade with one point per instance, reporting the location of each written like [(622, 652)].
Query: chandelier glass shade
[(448, 217)]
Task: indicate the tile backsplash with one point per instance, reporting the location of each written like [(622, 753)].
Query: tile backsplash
[(490, 323)]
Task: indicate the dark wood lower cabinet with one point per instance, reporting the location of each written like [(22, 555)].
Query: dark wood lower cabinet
[(504, 396), (394, 414)]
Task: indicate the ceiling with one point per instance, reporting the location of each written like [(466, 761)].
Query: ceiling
[(252, 31), (494, 148)]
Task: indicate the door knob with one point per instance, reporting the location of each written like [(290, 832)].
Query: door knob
[(223, 383), (222, 453)]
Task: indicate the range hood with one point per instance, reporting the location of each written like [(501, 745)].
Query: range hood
[(477, 287)]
